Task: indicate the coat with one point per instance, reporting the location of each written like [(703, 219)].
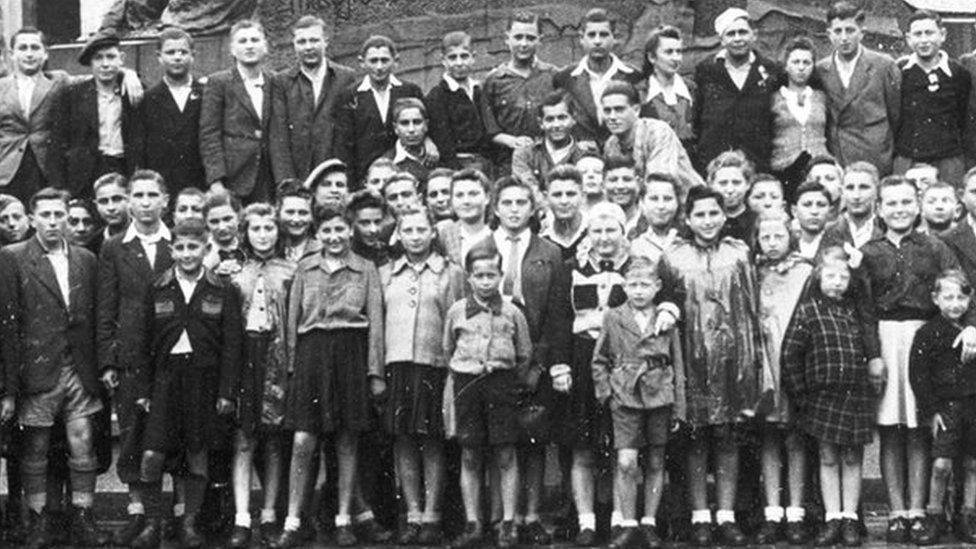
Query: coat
[(862, 119), (169, 141), (233, 138), (302, 130), (575, 81), (41, 131), (961, 240), (37, 328)]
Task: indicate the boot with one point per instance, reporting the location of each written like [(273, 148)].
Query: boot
[(133, 527), (84, 531), (150, 536), (188, 535)]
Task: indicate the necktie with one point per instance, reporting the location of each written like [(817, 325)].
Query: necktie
[(508, 283)]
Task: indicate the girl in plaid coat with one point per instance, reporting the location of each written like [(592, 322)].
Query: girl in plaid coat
[(825, 375)]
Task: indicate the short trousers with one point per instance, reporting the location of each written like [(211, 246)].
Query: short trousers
[(959, 436), (68, 397), (636, 428), (486, 408)]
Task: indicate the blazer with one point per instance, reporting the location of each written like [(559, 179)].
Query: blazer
[(862, 119), (124, 278), (575, 81), (233, 139), (37, 329), (169, 141), (546, 283), (302, 130), (839, 231), (80, 136), (361, 136), (961, 240), (41, 130), (968, 62)]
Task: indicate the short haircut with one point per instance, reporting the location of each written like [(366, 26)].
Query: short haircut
[(190, 228), (700, 193), (378, 41), (49, 193), (471, 174), (622, 88), (293, 191), (731, 159), (456, 39), (617, 162), (113, 178), (799, 43), (247, 24), (328, 212), (309, 21), (922, 15), (970, 173), (825, 160), (405, 103), (564, 172), (938, 185), (591, 154), (641, 265), (191, 191), (662, 177), (216, 200), (551, 100), (845, 10), (654, 40), (149, 175), (954, 276), (512, 181), (482, 251), (895, 181), (173, 33), (862, 166), (364, 200), (381, 162), (83, 203), (416, 209), (597, 15), (526, 17), (811, 187), (400, 177), (28, 30), (440, 172), (259, 209)]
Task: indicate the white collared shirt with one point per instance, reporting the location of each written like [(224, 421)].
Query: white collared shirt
[(740, 74), (181, 93), (861, 235), (110, 123), (59, 262), (669, 94), (809, 249), (643, 320), (799, 109), (149, 242), (942, 65), (972, 223), (598, 82), (400, 153), (316, 78), (558, 156), (187, 286), (382, 97), (258, 318), (469, 85), (255, 90), (25, 91), (845, 69), (504, 246)]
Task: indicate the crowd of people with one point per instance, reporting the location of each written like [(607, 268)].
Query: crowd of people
[(388, 308)]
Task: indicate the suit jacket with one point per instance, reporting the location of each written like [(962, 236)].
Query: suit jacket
[(302, 130), (169, 138), (80, 136), (838, 231), (41, 131), (361, 136), (124, 278), (862, 119), (233, 138), (576, 82), (968, 62), (38, 330), (961, 240)]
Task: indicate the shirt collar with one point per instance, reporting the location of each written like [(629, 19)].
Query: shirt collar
[(943, 64), (549, 231), (723, 55), (366, 86), (21, 77), (400, 153), (318, 74), (454, 85), (838, 61), (349, 261), (506, 68), (792, 95), (680, 89), (616, 65), (180, 278), (162, 233), (63, 250), (618, 262), (522, 237), (472, 307), (259, 81), (434, 262)]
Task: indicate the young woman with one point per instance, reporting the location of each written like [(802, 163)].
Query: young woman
[(263, 282), (470, 191), (668, 94)]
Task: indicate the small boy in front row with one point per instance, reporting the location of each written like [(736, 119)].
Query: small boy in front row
[(634, 374), (487, 340), (188, 372), (945, 390)]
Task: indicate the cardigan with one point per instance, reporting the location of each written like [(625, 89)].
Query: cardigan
[(790, 138)]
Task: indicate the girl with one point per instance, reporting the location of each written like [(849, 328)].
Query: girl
[(413, 152), (668, 94), (82, 224), (660, 205), (766, 195), (783, 276), (335, 358), (469, 200), (799, 117), (295, 219), (418, 289), (825, 375), (263, 283)]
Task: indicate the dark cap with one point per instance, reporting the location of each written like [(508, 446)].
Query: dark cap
[(106, 38)]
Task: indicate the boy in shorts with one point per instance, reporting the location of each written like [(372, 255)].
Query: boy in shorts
[(486, 374)]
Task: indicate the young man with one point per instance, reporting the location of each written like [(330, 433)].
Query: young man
[(939, 208), (564, 195), (47, 291), (934, 98), (410, 152), (364, 121), (858, 193), (625, 189), (557, 146), (734, 91), (112, 204), (235, 119), (128, 264), (437, 196), (370, 227), (861, 129), (456, 126), (810, 210), (652, 144), (305, 103), (377, 175), (599, 66), (401, 193), (169, 140), (512, 89)]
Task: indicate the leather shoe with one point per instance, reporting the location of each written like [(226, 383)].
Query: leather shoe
[(84, 530), (507, 535), (534, 533), (829, 534), (372, 531), (897, 531), (189, 537), (585, 538), (430, 534), (471, 537), (287, 540), (729, 533), (149, 537), (701, 534), (769, 533), (345, 536), (850, 533), (651, 539), (39, 535), (133, 527), (240, 537), (409, 534), (626, 538), (796, 532)]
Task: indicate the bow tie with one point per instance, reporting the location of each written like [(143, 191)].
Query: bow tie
[(605, 265)]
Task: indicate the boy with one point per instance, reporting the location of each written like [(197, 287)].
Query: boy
[(410, 153), (187, 370), (940, 208), (487, 340), (328, 183), (221, 214), (922, 174), (112, 203), (401, 193), (566, 227), (810, 211), (960, 238), (623, 188), (730, 174), (634, 377), (371, 227), (858, 224), (945, 389), (378, 173), (456, 126), (188, 205), (531, 163), (438, 194), (590, 167)]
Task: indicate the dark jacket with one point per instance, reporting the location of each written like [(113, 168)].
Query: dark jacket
[(37, 330), (455, 123), (583, 104), (169, 141), (933, 122), (40, 131), (934, 368), (212, 320), (302, 131), (961, 240)]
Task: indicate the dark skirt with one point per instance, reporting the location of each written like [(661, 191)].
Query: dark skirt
[(416, 400), (575, 421), (844, 417), (183, 410), (328, 391), (256, 409)]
